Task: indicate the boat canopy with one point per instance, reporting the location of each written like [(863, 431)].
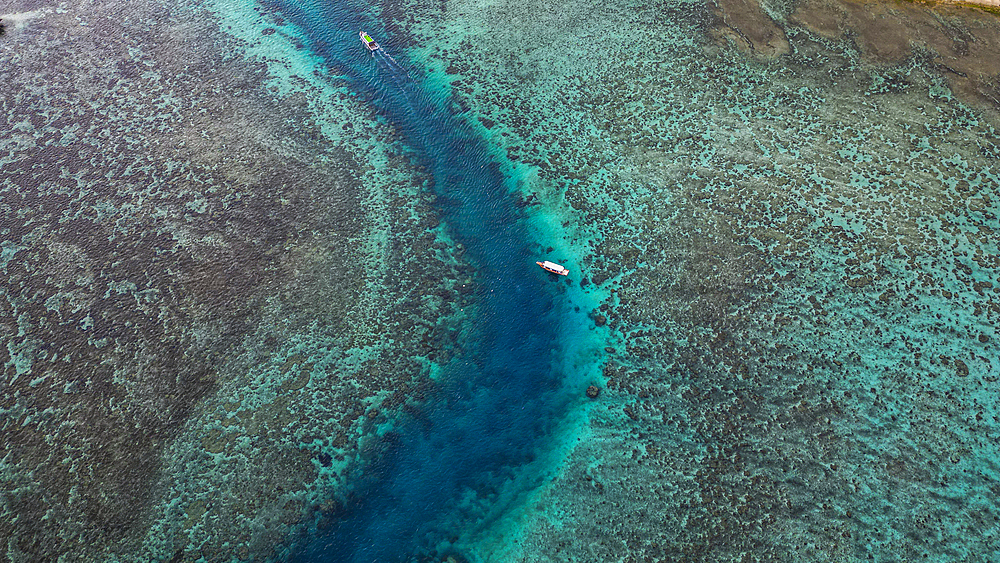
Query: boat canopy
[(553, 267)]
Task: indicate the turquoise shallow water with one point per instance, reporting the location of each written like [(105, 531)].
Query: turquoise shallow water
[(805, 282), (298, 318), (705, 186), (471, 451)]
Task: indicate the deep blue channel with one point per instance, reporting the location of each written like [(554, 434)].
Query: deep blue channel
[(485, 425)]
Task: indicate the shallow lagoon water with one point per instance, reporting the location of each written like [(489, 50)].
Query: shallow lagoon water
[(802, 252), (474, 450), (795, 259), (805, 282)]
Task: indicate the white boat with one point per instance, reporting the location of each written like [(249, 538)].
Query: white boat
[(368, 41), (553, 267)]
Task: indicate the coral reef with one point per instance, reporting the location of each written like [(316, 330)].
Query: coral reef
[(797, 258), (218, 290), (960, 40), (213, 291)]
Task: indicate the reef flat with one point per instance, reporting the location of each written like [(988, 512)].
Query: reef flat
[(217, 283), (958, 40), (796, 252)]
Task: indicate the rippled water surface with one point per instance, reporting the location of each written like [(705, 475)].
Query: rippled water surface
[(271, 297)]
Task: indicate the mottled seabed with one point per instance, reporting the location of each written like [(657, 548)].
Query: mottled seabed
[(796, 243), (789, 219), (213, 287)]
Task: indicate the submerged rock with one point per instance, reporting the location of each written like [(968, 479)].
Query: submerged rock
[(593, 391), (325, 459)]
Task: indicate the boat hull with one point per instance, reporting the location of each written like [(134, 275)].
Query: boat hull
[(370, 43), (553, 268)]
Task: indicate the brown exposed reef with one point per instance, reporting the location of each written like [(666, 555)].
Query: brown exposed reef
[(960, 39)]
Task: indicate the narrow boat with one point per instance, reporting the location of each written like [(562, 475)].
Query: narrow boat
[(368, 41), (553, 267)]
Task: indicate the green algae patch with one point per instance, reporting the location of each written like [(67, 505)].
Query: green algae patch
[(194, 512), (298, 383)]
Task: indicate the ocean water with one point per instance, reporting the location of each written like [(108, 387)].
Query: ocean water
[(804, 288), (471, 454), (271, 297)]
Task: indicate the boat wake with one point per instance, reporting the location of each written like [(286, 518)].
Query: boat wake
[(390, 64), (397, 75)]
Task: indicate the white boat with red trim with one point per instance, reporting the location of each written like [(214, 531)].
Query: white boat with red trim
[(553, 267)]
